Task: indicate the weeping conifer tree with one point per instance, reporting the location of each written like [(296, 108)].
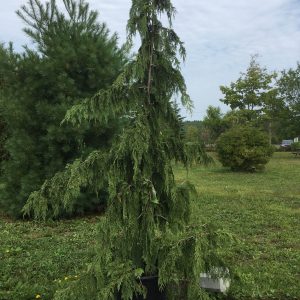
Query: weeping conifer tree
[(146, 230)]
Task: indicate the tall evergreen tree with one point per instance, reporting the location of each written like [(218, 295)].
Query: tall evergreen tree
[(146, 230), (74, 57)]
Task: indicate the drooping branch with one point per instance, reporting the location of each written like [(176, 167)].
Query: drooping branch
[(151, 50)]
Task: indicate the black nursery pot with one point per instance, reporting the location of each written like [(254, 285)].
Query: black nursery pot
[(153, 292)]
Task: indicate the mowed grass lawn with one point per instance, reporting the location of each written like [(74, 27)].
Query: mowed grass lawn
[(261, 210)]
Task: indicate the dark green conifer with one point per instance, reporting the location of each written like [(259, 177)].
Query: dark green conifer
[(6, 71), (74, 56), (146, 229)]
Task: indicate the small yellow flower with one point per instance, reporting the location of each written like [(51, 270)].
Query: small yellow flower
[(66, 278), (38, 296), (76, 276), (7, 251), (59, 281)]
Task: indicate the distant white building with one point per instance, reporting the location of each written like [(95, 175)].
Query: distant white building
[(296, 139)]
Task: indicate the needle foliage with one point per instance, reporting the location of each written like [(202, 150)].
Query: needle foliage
[(146, 229), (74, 56)]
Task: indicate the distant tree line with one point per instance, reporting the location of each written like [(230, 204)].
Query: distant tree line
[(270, 101)]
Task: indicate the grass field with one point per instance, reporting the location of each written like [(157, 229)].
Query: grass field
[(261, 210)]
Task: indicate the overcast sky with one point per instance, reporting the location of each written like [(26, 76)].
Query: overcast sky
[(219, 35)]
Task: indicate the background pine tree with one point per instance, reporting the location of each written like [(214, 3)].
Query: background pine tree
[(74, 56), (6, 71)]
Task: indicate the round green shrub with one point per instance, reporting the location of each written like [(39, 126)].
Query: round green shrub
[(244, 148)]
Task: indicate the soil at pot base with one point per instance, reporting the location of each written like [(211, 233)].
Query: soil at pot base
[(153, 292)]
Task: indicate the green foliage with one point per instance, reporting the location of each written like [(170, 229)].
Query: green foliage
[(295, 146), (192, 133), (254, 98), (289, 90), (75, 57), (145, 230), (194, 147), (65, 187), (196, 154), (214, 122), (244, 148), (3, 137), (250, 90), (289, 86), (6, 69)]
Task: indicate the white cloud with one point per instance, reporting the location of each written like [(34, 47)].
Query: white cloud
[(220, 36)]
